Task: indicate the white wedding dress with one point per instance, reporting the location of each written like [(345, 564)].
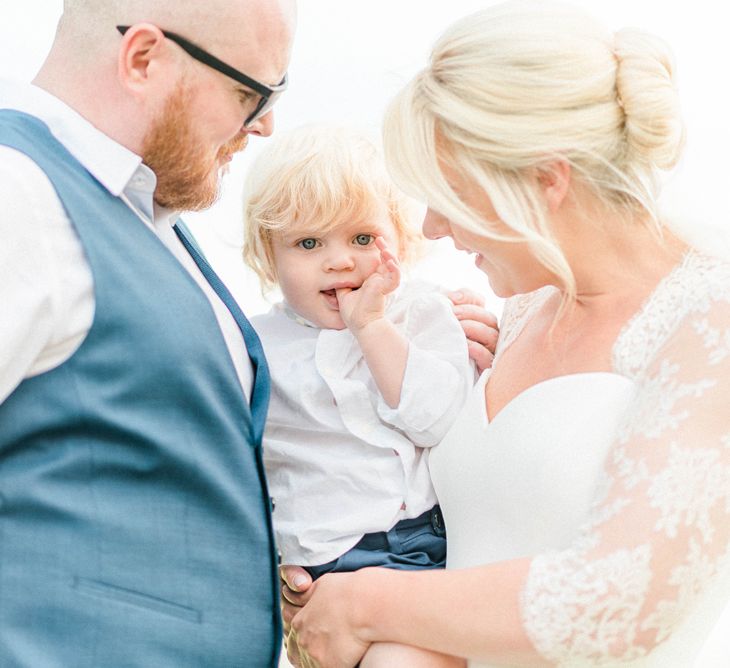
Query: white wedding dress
[(616, 484)]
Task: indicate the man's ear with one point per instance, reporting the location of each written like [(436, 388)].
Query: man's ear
[(554, 179), (139, 53)]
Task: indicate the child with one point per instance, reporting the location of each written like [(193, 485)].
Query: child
[(367, 374)]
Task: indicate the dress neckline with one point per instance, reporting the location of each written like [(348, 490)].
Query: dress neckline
[(637, 322), (539, 387)]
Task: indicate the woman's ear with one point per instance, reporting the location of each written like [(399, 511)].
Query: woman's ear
[(554, 179)]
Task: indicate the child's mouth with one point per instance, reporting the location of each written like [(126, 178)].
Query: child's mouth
[(330, 295), (331, 298)]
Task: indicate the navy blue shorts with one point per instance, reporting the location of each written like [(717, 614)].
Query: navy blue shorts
[(413, 544)]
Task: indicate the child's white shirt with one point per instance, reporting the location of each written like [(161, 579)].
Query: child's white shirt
[(340, 462)]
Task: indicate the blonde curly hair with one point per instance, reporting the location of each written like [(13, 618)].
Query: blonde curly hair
[(316, 177)]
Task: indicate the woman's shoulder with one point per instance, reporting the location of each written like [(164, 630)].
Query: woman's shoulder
[(708, 275), (698, 284), (693, 295)]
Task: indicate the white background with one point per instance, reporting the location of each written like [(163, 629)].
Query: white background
[(351, 56)]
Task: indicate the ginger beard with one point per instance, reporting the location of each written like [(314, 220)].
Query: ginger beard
[(188, 176)]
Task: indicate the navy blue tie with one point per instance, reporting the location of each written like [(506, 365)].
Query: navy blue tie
[(261, 378)]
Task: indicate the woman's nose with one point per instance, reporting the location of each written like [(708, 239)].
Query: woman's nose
[(435, 226)]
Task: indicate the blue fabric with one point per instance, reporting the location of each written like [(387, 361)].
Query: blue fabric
[(262, 380), (134, 516), (413, 544)]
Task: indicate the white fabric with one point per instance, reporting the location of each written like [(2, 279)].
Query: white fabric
[(340, 462), (46, 287), (617, 484)]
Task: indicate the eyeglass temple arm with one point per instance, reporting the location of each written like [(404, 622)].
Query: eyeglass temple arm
[(210, 60)]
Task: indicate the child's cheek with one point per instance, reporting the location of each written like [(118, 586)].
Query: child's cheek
[(373, 264)]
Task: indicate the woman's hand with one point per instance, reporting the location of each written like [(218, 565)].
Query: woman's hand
[(325, 633), (479, 325)]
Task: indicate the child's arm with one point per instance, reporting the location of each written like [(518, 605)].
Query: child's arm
[(384, 348)]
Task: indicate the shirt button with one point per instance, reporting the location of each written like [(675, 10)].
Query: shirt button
[(273, 503), (403, 506)]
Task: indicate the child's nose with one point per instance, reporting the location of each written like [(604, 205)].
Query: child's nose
[(339, 260)]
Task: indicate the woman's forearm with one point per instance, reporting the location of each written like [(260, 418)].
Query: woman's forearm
[(474, 613)]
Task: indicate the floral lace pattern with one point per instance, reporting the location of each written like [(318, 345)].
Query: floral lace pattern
[(517, 312), (659, 531)]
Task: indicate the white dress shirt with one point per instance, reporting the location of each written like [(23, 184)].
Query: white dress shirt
[(46, 286), (340, 462)]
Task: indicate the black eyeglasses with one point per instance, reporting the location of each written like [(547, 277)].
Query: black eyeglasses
[(269, 94)]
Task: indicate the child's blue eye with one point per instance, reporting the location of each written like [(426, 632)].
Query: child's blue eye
[(307, 244), (364, 239)]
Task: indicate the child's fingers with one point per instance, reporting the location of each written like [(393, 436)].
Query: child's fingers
[(380, 243), (393, 267), (391, 276), (385, 253), (342, 295)]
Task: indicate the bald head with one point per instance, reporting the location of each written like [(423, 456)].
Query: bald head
[(91, 23), (122, 84)]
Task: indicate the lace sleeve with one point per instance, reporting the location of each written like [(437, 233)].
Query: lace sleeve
[(659, 531)]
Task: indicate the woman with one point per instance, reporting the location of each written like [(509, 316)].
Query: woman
[(586, 485)]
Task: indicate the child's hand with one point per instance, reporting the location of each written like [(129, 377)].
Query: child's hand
[(358, 308)]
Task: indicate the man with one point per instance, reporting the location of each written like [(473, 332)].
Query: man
[(134, 519)]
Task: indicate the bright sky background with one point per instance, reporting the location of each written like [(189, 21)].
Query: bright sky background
[(351, 56)]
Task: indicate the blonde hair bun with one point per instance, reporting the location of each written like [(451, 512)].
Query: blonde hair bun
[(645, 84)]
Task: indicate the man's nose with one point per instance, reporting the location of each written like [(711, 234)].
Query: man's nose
[(262, 127)]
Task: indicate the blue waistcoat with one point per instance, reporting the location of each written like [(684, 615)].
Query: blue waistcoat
[(135, 524)]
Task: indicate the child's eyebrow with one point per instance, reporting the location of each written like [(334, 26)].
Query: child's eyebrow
[(301, 233), (295, 235)]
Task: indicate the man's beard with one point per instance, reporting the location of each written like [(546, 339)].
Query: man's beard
[(188, 178)]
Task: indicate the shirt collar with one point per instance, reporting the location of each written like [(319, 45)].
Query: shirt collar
[(117, 168), (290, 313)]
